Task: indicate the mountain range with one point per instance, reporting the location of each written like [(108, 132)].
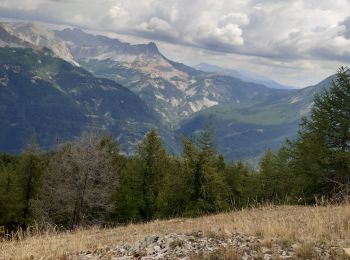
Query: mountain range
[(242, 75), (56, 84)]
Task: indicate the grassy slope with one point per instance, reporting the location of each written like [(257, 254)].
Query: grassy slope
[(287, 223)]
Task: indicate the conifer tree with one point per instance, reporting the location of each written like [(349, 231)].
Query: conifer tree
[(205, 172), (329, 127), (29, 173), (10, 193), (154, 164), (318, 161)]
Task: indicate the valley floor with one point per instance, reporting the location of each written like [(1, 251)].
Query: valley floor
[(284, 231)]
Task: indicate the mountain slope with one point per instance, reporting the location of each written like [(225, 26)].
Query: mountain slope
[(248, 117), (242, 75), (247, 132), (31, 35), (49, 98), (174, 90)]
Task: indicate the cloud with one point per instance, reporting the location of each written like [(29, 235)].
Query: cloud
[(234, 18), (271, 30), (346, 27), (223, 38), (155, 24), (117, 12), (28, 5)]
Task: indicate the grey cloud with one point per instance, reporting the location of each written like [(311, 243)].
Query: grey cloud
[(62, 1), (271, 30), (330, 54), (346, 24)]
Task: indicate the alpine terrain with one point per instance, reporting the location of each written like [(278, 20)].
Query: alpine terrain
[(248, 113)]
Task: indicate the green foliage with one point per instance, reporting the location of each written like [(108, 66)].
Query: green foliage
[(176, 192), (317, 163), (128, 200), (204, 170), (154, 184), (323, 146), (20, 181), (10, 196), (30, 169), (141, 180), (89, 182), (154, 163)]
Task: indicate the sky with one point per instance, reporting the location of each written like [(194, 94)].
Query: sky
[(296, 42)]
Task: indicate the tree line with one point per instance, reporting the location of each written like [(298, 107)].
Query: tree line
[(316, 165), (88, 181)]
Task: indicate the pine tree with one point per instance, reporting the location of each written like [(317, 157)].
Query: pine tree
[(205, 171), (176, 191), (10, 193), (319, 159), (154, 164), (29, 172), (269, 176), (329, 125), (128, 200)]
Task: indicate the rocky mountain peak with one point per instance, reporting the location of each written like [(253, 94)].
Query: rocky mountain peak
[(151, 48), (34, 35)]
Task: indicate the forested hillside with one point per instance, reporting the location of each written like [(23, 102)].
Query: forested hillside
[(88, 181)]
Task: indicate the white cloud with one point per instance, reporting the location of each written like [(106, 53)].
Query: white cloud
[(234, 18), (27, 5), (229, 34), (155, 24), (117, 12), (287, 33)]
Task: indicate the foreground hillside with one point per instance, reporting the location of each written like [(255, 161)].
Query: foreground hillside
[(288, 231)]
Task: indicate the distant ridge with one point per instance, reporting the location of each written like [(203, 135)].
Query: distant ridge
[(243, 75), (248, 115)]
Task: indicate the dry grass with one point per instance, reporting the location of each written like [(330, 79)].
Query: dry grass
[(220, 254), (288, 223)]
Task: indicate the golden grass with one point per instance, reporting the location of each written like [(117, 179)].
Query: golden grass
[(287, 223)]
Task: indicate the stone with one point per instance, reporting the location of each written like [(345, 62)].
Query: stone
[(180, 246), (266, 250), (150, 240), (347, 251)]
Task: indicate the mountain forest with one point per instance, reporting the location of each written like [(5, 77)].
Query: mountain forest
[(95, 131), (89, 182)]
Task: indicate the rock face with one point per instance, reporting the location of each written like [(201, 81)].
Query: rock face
[(174, 90), (47, 97), (33, 36), (247, 117), (223, 245)]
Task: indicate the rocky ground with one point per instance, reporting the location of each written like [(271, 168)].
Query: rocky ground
[(221, 245)]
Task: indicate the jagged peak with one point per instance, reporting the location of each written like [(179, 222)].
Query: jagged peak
[(26, 26), (152, 48)]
